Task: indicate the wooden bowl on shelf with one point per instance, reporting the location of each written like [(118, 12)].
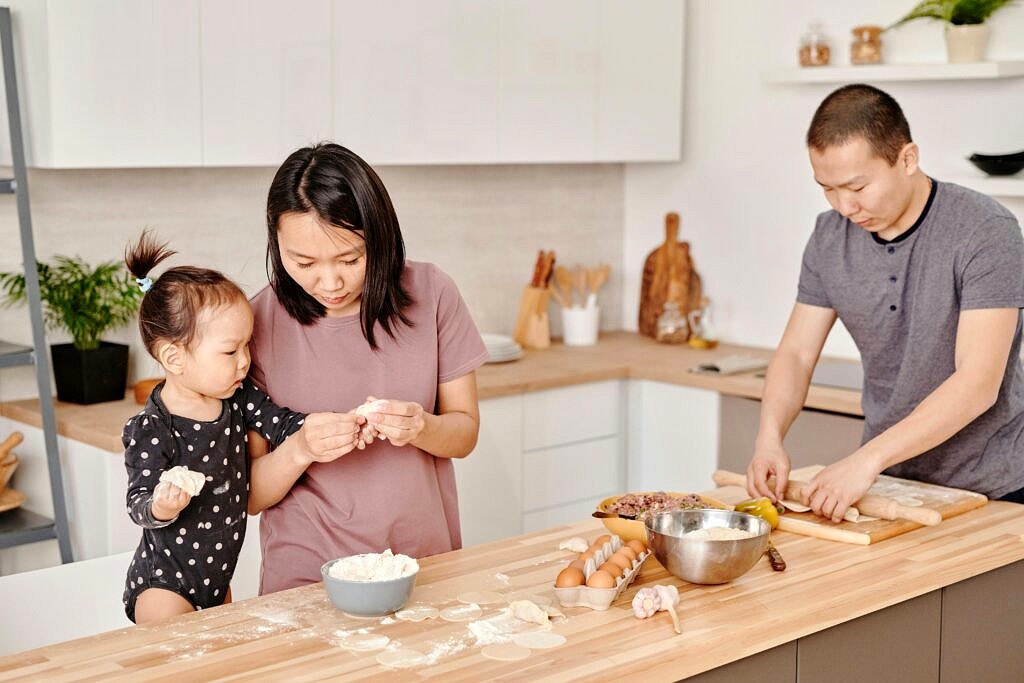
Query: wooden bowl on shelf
[(8, 460), (144, 387)]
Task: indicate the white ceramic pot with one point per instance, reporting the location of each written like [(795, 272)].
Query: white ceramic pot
[(966, 43)]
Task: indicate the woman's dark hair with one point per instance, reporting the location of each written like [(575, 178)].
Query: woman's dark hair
[(172, 303), (860, 110), (343, 191)]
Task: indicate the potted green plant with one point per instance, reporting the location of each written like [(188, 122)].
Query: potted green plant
[(86, 302), (966, 30)]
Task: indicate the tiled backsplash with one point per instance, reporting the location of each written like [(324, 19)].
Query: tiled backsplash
[(482, 224)]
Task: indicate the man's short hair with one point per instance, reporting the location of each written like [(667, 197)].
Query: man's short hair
[(864, 111)]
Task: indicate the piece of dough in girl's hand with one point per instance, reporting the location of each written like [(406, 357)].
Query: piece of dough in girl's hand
[(185, 479)]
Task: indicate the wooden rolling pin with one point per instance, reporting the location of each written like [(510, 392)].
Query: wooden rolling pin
[(874, 506)]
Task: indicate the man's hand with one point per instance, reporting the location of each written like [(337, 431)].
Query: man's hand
[(168, 501), (325, 437), (768, 461), (833, 490)]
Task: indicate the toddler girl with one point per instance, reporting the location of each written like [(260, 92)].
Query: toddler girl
[(196, 323)]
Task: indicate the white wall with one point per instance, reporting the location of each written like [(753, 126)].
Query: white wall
[(482, 224), (744, 189)]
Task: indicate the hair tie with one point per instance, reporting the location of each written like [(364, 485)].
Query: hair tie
[(145, 283)]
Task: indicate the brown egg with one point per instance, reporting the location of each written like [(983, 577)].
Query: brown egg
[(601, 540), (601, 579), (637, 547), (627, 551), (586, 555), (611, 568), (578, 564), (624, 562), (568, 577)]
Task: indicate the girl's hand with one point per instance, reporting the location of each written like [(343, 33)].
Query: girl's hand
[(325, 437), (168, 501), (400, 422)]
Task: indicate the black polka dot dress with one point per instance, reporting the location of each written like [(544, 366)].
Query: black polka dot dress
[(194, 555)]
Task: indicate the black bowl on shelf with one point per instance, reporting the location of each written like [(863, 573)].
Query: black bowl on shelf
[(998, 164)]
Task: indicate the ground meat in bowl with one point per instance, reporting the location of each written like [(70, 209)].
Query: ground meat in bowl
[(643, 505)]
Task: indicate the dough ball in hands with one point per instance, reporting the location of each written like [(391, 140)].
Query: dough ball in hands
[(371, 405), (185, 479)]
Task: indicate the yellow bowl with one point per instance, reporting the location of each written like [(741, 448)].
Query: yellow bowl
[(634, 530)]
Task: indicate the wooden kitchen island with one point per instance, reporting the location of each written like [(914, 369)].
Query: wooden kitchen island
[(945, 598)]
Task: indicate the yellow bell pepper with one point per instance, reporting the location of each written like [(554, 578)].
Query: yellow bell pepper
[(760, 507)]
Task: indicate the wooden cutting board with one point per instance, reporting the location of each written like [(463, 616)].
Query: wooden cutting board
[(948, 501), (669, 275)]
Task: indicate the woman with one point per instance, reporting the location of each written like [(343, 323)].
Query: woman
[(345, 318)]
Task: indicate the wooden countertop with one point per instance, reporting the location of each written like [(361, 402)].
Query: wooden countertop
[(617, 355), (292, 634)]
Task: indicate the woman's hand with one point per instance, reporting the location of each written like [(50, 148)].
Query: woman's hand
[(400, 422), (168, 501), (768, 461), (325, 437)]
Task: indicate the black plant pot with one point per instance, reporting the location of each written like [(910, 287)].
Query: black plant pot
[(91, 376)]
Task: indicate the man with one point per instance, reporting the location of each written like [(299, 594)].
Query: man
[(928, 277)]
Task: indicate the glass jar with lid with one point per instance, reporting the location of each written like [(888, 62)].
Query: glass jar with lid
[(672, 326), (815, 48), (866, 47)]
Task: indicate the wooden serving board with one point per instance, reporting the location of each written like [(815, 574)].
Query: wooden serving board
[(668, 275), (948, 501)]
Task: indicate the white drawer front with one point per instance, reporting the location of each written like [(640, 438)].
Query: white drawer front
[(570, 414), (563, 514), (579, 471)]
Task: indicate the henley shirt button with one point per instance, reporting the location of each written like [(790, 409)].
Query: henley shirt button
[(892, 278), (891, 250), (892, 307)]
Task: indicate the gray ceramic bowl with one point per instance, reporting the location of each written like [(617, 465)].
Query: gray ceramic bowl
[(367, 598), (705, 561)]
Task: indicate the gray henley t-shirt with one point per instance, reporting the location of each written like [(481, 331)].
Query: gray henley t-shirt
[(901, 300)]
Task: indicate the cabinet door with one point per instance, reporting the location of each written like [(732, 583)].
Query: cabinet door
[(417, 82), (123, 84), (673, 437), (548, 76), (640, 80), (556, 417), (266, 73), (490, 479)]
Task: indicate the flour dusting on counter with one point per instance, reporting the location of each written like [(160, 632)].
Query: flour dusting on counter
[(385, 566)]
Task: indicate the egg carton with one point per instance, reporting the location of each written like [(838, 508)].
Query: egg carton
[(600, 598)]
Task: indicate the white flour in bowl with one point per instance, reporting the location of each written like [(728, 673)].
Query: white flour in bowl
[(718, 533), (384, 566)]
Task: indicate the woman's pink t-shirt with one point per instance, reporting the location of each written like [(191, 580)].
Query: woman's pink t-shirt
[(384, 496)]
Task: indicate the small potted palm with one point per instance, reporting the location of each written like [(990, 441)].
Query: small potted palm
[(966, 30), (84, 301)]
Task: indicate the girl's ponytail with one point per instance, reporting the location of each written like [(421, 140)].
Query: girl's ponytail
[(143, 257)]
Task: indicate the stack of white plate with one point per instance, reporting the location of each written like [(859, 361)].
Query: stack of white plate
[(501, 348)]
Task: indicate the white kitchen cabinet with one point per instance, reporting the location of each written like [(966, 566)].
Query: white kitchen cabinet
[(266, 79), (580, 471), (108, 83), (154, 83), (490, 479), (673, 437), (541, 456), (640, 80), (548, 74), (571, 414), (417, 82)]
